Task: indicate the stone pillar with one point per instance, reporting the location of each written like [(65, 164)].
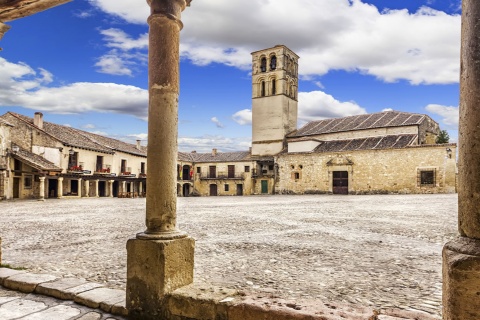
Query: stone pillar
[(96, 188), (60, 188), (80, 187), (87, 188), (160, 259), (110, 188), (124, 186), (461, 257), (132, 188), (42, 189)]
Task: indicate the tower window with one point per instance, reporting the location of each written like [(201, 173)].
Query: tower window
[(273, 63), (263, 65), (263, 89), (274, 89)]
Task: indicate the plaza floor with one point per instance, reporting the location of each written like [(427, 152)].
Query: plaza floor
[(382, 251)]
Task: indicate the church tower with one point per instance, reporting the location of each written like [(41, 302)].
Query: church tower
[(274, 98)]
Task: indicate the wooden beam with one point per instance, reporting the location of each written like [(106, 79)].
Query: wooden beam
[(15, 9)]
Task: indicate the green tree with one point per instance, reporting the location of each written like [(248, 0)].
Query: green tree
[(443, 137)]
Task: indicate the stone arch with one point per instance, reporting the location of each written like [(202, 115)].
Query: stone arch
[(263, 63), (273, 61)]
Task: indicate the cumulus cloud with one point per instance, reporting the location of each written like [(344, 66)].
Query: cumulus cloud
[(126, 52), (420, 47), (449, 114), (243, 117), (89, 126), (217, 122), (20, 85), (207, 142), (317, 105)]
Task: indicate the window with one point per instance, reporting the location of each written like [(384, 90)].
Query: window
[(247, 168), (273, 63), (142, 167), (426, 178), (17, 166), (262, 90), (73, 160), (213, 172), (99, 167), (263, 64), (27, 182), (297, 175), (227, 187), (123, 166), (199, 169), (274, 89), (270, 167)]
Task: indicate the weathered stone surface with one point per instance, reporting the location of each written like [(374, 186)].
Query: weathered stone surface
[(58, 288), (26, 282), (155, 268), (461, 279), (82, 288), (6, 272), (59, 312), (93, 298), (7, 299), (120, 308), (116, 300), (91, 316), (19, 308)]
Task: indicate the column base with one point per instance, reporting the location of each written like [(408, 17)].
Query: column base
[(461, 279), (154, 268)]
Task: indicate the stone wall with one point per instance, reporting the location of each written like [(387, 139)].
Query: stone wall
[(370, 171)]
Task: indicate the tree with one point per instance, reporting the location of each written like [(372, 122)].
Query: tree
[(443, 137)]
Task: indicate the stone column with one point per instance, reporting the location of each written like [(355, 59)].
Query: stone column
[(110, 188), (80, 187), (132, 188), (87, 188), (42, 189), (96, 188), (140, 188), (461, 257), (160, 259), (60, 188)]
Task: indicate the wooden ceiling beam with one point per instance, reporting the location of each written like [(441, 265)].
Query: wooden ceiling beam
[(15, 9)]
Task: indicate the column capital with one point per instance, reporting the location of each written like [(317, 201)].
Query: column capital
[(171, 9)]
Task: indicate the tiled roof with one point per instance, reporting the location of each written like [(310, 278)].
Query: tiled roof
[(82, 139), (221, 156), (360, 122), (374, 143), (35, 161), (5, 122)]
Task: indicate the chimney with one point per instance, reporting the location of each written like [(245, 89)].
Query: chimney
[(214, 152), (194, 151), (138, 144), (38, 120), (250, 150)]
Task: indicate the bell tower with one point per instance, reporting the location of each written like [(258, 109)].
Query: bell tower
[(274, 98)]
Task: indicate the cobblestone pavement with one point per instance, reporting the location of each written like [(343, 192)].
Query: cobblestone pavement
[(382, 251)]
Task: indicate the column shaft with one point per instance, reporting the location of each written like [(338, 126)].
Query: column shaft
[(469, 129), (42, 189), (60, 188)]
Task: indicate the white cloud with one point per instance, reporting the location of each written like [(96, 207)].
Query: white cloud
[(89, 126), (217, 122), (317, 105), (449, 114), (420, 47), (116, 38), (113, 64), (208, 142), (243, 117), (20, 85), (387, 109)]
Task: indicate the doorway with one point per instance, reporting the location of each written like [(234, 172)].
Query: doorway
[(213, 189), (52, 188), (186, 190), (340, 182), (16, 188), (264, 186), (102, 186), (239, 189), (115, 188)]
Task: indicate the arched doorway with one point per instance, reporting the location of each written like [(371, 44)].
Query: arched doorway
[(186, 173), (186, 189)]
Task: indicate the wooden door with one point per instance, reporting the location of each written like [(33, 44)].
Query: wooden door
[(340, 182), (212, 172), (239, 189), (264, 186), (213, 189), (231, 171)]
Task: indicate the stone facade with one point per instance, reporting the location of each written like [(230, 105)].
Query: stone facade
[(369, 171)]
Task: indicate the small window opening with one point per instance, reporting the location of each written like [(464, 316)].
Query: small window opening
[(297, 175), (227, 187), (263, 89), (263, 64), (274, 87), (247, 168), (273, 63), (426, 178), (199, 169)]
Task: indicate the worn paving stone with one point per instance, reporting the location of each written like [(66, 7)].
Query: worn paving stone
[(91, 316), (26, 282), (58, 288), (6, 272), (59, 312), (95, 297), (19, 308), (7, 299), (83, 288)]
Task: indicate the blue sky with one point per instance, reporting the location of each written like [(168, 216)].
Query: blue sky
[(84, 64)]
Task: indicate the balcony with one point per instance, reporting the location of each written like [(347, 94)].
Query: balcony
[(77, 169), (127, 174), (103, 170), (262, 173), (222, 176)]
